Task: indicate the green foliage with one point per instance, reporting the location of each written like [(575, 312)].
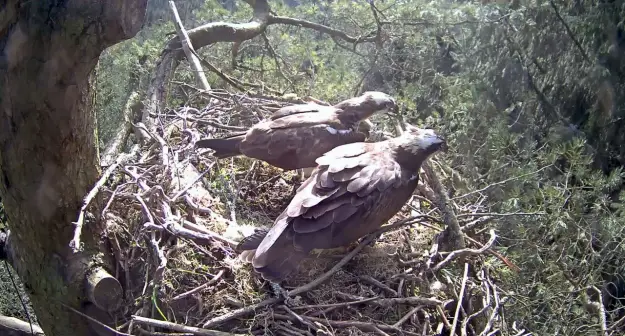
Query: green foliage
[(122, 69)]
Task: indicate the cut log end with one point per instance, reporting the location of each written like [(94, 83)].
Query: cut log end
[(104, 290)]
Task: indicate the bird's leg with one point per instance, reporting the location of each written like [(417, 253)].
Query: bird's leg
[(279, 291)]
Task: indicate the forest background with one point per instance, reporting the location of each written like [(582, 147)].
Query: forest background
[(527, 92)]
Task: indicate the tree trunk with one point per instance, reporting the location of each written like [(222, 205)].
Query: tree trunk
[(47, 151)]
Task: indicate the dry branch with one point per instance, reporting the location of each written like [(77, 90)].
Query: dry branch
[(116, 145), (75, 244), (10, 326), (466, 252), (460, 297), (188, 48), (455, 235), (180, 327)]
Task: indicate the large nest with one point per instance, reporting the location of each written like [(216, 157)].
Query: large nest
[(173, 215)]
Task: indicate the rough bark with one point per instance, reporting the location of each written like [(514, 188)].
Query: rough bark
[(48, 157)]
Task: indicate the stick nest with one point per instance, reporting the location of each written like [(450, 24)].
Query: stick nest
[(172, 215)]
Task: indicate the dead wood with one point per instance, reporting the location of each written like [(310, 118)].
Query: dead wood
[(188, 49), (104, 290), (116, 145), (10, 326)]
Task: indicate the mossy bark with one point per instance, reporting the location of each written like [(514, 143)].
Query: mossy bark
[(48, 158)]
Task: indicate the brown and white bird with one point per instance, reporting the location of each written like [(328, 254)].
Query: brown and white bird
[(355, 189), (293, 137)]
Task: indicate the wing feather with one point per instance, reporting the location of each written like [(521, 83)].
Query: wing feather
[(317, 211), (345, 151), (295, 109), (346, 198), (272, 236), (323, 116), (345, 175)]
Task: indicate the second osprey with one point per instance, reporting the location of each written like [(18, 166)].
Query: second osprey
[(295, 136)]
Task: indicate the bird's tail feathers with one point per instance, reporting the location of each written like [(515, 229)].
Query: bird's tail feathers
[(252, 241), (247, 256), (281, 265), (224, 147)]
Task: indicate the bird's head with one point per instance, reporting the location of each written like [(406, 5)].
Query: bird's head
[(380, 102), (369, 104), (422, 140)]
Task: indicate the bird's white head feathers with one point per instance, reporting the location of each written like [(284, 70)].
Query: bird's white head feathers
[(416, 139), (381, 99), (373, 101)]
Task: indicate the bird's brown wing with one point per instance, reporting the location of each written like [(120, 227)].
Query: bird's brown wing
[(295, 147), (355, 189), (296, 109), (326, 115)]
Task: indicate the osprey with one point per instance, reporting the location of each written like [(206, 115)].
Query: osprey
[(355, 189), (295, 136)]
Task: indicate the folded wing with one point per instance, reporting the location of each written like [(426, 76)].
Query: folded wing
[(356, 188), (297, 146)]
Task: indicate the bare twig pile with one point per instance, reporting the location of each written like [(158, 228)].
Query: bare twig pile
[(174, 214)]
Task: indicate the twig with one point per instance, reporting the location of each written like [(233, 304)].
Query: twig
[(390, 302), (188, 186), (466, 252), (460, 298), (379, 331), (501, 182), (199, 288), (570, 32), (180, 327), (372, 281), (214, 123), (75, 243), (494, 214), (273, 19), (601, 309), (346, 324), (299, 318), (336, 305), (495, 310), (210, 233), (238, 84), (94, 320), (240, 312), (407, 316)]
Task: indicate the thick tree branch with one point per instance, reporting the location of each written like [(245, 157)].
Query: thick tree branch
[(322, 28)]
